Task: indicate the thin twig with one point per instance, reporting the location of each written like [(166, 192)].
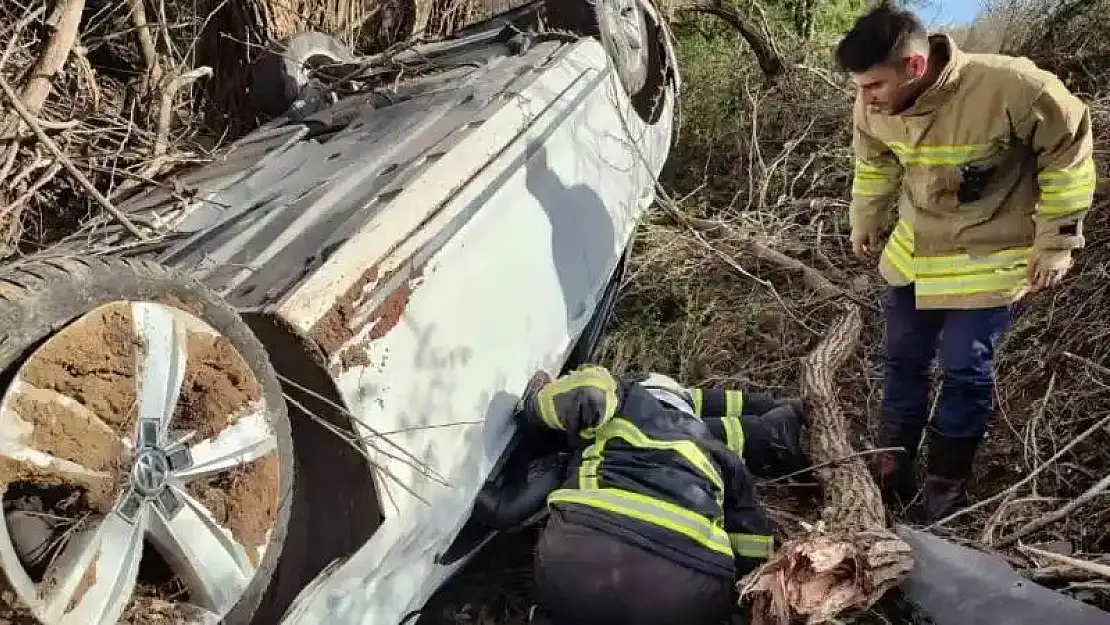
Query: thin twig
[(1082, 565), (353, 444), (347, 413), (1044, 521), (30, 120), (834, 462)]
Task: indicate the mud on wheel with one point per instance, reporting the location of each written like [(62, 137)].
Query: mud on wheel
[(145, 451)]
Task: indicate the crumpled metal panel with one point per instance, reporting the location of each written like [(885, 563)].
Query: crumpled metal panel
[(292, 201), (956, 585)]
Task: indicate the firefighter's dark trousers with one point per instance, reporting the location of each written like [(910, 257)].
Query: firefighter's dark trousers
[(587, 577), (966, 341)]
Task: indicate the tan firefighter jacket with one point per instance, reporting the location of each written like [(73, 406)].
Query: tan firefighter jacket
[(989, 165)]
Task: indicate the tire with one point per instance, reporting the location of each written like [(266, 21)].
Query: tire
[(42, 296), (645, 84), (281, 73)]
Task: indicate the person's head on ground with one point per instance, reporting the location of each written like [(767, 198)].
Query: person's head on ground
[(886, 53)]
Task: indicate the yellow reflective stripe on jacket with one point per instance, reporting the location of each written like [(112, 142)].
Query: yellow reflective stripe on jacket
[(899, 250), (734, 403), (872, 180), (1064, 192), (586, 376), (591, 463), (621, 428), (699, 400), (758, 546), (955, 274), (734, 434), (933, 155), (652, 511)]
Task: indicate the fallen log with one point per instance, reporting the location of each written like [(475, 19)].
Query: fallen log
[(850, 559)]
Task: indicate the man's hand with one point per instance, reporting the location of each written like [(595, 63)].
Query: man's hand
[(864, 242), (1047, 268)]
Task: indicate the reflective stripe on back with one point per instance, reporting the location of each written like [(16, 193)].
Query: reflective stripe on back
[(652, 511), (622, 428)]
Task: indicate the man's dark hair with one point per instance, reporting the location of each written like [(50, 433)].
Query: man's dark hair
[(878, 36)]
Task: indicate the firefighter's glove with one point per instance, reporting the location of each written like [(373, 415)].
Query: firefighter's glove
[(536, 383), (1047, 268)]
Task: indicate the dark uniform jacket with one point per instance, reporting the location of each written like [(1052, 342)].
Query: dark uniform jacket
[(652, 475)]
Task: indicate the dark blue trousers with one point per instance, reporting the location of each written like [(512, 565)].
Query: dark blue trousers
[(966, 341)]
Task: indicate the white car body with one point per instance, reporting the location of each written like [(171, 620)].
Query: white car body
[(489, 309), (411, 316)]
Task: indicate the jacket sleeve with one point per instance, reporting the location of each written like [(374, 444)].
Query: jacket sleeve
[(576, 403), (877, 175), (746, 522), (724, 410), (1059, 129)]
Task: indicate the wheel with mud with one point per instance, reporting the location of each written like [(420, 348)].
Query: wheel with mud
[(145, 451)]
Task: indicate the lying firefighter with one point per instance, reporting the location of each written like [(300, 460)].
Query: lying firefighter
[(655, 499)]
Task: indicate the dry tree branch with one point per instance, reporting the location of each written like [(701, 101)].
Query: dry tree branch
[(8, 213), (851, 559), (811, 277), (146, 43), (30, 120), (767, 55), (166, 103), (1044, 521), (54, 56), (1083, 565)]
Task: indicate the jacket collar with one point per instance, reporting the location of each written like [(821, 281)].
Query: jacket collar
[(941, 46)]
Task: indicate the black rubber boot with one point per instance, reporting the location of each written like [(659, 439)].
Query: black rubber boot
[(950, 463), (893, 470)]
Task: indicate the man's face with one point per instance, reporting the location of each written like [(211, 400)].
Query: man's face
[(891, 87)]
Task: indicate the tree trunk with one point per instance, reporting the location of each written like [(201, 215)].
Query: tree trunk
[(850, 560), (767, 55)]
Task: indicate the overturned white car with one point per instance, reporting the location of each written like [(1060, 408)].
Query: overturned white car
[(279, 403)]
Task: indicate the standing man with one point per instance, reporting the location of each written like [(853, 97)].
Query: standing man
[(988, 159)]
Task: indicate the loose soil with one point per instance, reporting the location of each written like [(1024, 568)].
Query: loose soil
[(93, 362), (354, 356), (150, 610), (244, 500), (386, 316), (218, 385), (68, 433)]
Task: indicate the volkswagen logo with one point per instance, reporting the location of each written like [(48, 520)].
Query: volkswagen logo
[(152, 470)]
